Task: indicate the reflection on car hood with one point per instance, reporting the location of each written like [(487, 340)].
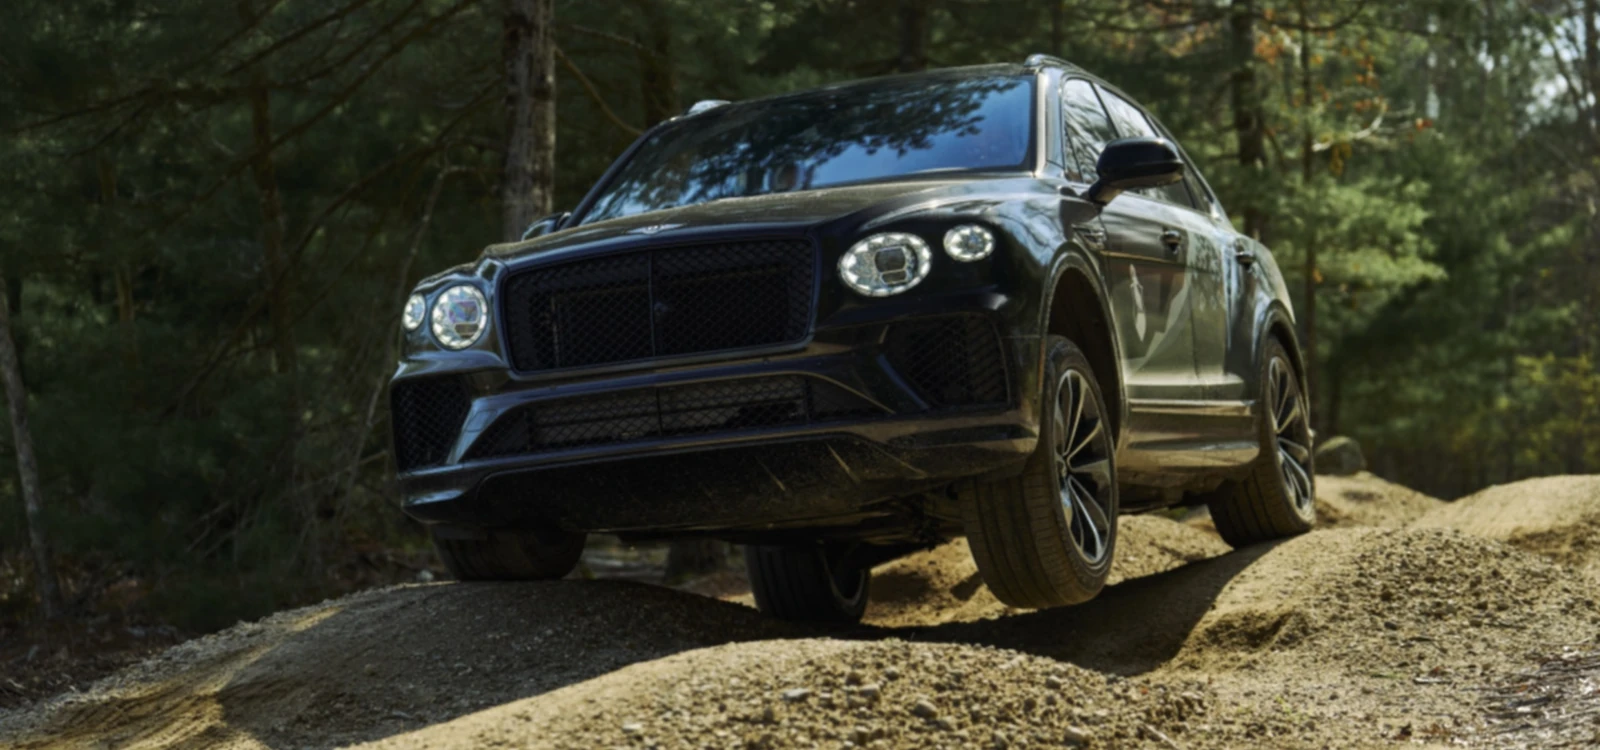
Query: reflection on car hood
[(798, 209)]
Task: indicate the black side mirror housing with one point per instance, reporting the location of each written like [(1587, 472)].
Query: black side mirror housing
[(546, 225), (1130, 163)]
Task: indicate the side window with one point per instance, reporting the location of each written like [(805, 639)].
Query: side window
[(1131, 123), (1087, 127)]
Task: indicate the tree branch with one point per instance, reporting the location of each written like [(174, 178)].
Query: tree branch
[(595, 95)]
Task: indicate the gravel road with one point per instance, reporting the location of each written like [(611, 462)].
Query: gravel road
[(1400, 621)]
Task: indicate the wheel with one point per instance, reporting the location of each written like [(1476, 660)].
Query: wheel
[(809, 582), (510, 555), (1045, 538), (1278, 497)]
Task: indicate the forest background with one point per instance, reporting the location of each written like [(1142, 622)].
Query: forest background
[(212, 213)]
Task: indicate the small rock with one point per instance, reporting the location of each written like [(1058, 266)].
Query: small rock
[(925, 708), (1053, 682), (1077, 736), (1391, 625), (795, 695), (945, 724), (1340, 456), (1001, 741), (891, 673), (869, 691), (860, 735), (632, 727)]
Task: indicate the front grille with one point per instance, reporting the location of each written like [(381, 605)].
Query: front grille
[(667, 411), (426, 414), (952, 361), (659, 303)]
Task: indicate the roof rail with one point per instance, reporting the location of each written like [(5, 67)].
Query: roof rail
[(704, 105), (1038, 60)]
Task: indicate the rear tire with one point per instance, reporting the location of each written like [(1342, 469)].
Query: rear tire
[(806, 582), (1046, 538), (1278, 498), (511, 555)]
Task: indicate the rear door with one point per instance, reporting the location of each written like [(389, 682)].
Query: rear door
[(1145, 263)]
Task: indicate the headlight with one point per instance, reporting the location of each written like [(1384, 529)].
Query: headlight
[(460, 316), (969, 242), (416, 310), (885, 264)]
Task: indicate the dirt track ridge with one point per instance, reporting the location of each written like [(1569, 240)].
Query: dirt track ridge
[(1382, 628)]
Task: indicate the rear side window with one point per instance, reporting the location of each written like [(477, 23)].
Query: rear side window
[(1131, 123), (1088, 129)]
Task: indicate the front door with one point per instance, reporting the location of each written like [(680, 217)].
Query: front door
[(1146, 271)]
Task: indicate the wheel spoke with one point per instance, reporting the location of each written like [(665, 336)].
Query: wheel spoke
[(1098, 469), (1094, 519), (1300, 480), (1059, 423), (1082, 443), (1298, 452)]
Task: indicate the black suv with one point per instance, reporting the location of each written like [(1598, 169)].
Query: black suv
[(839, 325)]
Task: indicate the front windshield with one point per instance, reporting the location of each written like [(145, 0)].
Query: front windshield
[(857, 133)]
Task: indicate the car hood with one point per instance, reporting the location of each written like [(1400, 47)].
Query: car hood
[(797, 210)]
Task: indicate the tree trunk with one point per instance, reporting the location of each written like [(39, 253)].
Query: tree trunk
[(658, 77), (1307, 155), (1591, 65), (528, 177), (1246, 100), (278, 280), (1058, 31), (27, 465), (913, 36)]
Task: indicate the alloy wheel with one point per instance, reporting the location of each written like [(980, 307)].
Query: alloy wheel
[(1293, 433), (1083, 466)]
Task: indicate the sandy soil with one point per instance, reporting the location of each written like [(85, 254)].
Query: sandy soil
[(1459, 628), (1558, 517)]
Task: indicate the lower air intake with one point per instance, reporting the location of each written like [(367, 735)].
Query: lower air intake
[(668, 411), (950, 362)]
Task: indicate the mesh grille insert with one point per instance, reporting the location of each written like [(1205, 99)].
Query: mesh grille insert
[(950, 362), (658, 303), (426, 415), (667, 411)]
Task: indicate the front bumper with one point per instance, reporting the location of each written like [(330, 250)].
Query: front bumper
[(852, 419)]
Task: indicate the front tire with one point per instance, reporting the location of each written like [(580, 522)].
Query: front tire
[(1046, 538), (1278, 498), (807, 582), (510, 555)]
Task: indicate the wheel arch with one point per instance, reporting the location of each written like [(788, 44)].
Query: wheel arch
[(1278, 324), (1076, 308)]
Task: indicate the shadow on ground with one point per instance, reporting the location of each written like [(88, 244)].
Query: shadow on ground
[(391, 661)]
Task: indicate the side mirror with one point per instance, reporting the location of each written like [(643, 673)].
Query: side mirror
[(546, 225), (1129, 163)]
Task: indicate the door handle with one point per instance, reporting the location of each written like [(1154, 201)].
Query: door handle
[(1173, 239), (1094, 237), (1243, 254)]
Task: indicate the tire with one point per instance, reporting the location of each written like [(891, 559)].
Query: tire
[(1278, 497), (511, 555), (1046, 538), (806, 582)]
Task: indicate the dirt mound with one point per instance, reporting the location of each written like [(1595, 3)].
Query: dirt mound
[(382, 662), (942, 585), (1366, 500), (1558, 517), (1340, 637), (826, 693)]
